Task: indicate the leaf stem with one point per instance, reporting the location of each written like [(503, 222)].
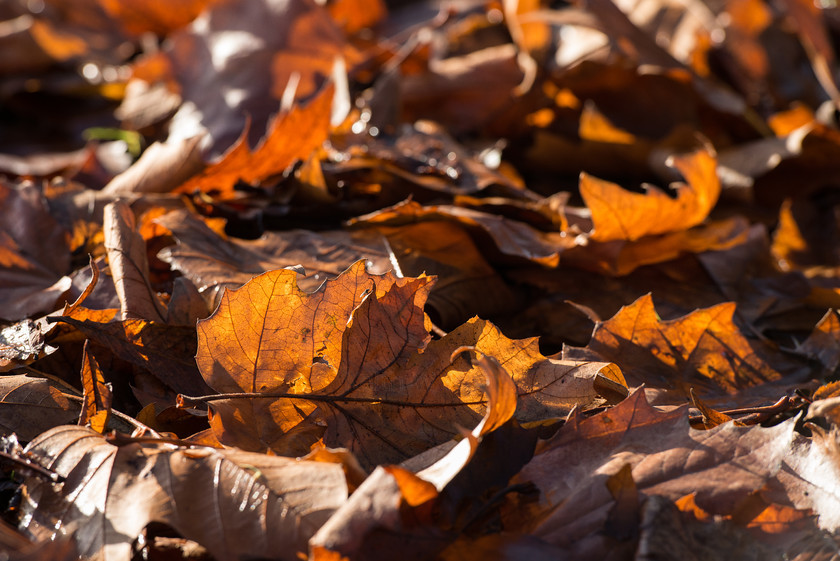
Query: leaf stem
[(185, 401)]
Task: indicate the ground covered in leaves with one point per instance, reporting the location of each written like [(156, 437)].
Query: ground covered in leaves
[(470, 280)]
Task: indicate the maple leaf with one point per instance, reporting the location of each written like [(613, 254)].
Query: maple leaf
[(346, 362), (234, 503), (704, 349)]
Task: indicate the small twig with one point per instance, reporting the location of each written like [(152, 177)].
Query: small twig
[(122, 416), (27, 464), (752, 415)]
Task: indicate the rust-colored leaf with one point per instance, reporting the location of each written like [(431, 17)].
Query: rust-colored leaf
[(290, 137)]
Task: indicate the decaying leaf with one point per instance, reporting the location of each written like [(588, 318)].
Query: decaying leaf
[(723, 466)]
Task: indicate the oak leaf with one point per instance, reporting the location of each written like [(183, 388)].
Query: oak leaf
[(234, 503)]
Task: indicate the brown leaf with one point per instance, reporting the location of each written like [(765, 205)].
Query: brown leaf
[(511, 237), (237, 62), (161, 168), (823, 344), (290, 137), (34, 253), (723, 465), (96, 407), (130, 265), (213, 262), (233, 503), (164, 351), (30, 406), (425, 509)]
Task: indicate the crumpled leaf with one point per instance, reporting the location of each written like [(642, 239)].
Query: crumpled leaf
[(130, 265), (97, 398), (618, 214), (21, 343), (511, 237), (346, 363), (233, 503), (290, 137), (164, 351)]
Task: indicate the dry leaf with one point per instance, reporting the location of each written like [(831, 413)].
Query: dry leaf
[(233, 503)]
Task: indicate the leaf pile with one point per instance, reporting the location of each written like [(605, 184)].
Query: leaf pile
[(489, 280)]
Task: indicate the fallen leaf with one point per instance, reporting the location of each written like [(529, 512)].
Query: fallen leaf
[(346, 363), (233, 503), (704, 350), (618, 214), (213, 262), (723, 466), (34, 253), (130, 265), (96, 407), (30, 406), (290, 137)]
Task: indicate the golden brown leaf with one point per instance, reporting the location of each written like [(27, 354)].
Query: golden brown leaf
[(618, 214), (345, 363), (704, 349), (290, 137)]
